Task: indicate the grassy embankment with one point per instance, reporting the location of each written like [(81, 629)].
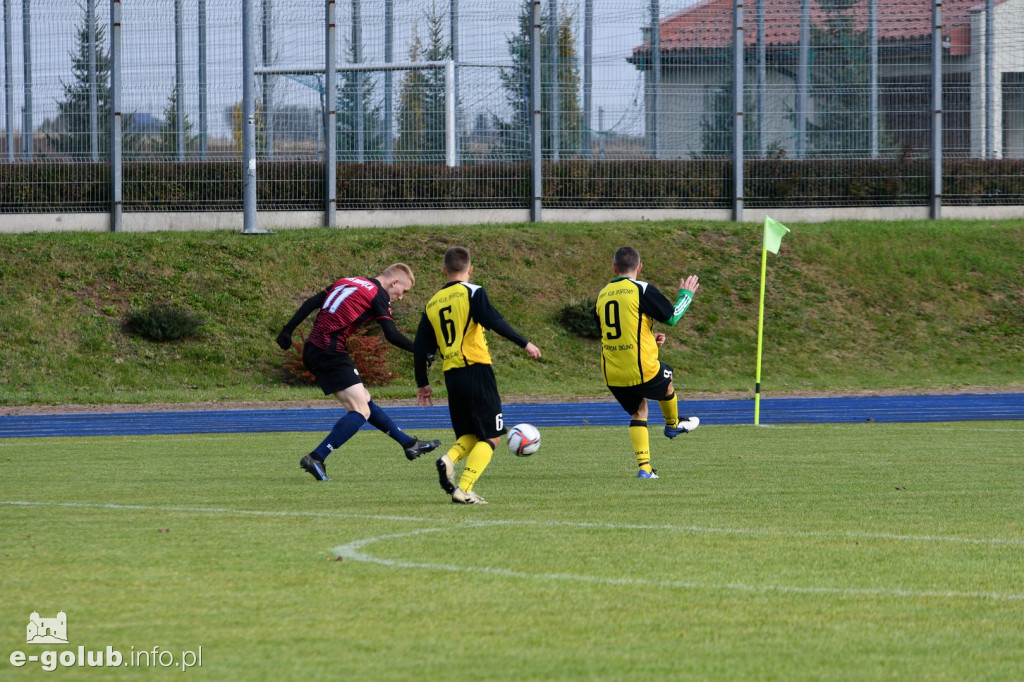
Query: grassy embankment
[(852, 306)]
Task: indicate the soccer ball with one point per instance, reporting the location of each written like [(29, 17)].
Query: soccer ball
[(523, 440)]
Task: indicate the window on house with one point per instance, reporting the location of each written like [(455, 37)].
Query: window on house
[(1013, 115), (906, 110)]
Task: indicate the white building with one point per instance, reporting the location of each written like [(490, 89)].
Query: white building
[(692, 113)]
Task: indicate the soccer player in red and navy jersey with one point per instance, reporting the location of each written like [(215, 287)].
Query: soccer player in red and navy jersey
[(341, 309)]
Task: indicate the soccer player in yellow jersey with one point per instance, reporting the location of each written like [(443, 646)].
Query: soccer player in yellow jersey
[(453, 323), (627, 309)]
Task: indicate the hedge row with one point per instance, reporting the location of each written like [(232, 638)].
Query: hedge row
[(297, 185)]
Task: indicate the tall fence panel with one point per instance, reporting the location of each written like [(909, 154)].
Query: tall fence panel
[(984, 59), (434, 103), (56, 128), (181, 119), (645, 141), (839, 103)]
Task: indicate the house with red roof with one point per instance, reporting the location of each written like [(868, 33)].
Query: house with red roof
[(829, 112)]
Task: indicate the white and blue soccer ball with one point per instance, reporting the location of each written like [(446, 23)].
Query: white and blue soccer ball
[(523, 440)]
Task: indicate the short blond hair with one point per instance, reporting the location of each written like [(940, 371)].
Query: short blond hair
[(399, 270)]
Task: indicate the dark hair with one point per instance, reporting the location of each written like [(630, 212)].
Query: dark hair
[(456, 259), (627, 259)]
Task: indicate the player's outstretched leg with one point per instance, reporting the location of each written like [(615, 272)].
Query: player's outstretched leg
[(344, 428), (673, 424), (418, 447), (413, 447), (314, 466), (682, 426)]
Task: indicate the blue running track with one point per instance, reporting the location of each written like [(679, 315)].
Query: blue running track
[(916, 408)]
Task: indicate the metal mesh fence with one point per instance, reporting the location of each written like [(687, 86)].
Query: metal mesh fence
[(43, 95), (637, 103)]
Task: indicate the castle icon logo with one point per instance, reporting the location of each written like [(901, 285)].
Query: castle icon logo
[(47, 630)]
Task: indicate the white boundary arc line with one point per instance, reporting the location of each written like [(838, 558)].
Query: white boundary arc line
[(353, 552)]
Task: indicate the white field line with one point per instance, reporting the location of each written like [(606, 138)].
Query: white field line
[(352, 550)]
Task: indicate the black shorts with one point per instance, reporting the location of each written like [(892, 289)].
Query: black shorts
[(631, 397), (333, 371), (473, 402)]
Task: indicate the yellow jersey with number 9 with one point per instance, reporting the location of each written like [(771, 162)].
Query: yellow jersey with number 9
[(460, 337), (629, 353)]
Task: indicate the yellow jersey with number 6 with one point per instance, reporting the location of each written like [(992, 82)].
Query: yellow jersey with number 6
[(460, 338)]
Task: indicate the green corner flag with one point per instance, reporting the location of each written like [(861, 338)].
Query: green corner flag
[(774, 231)]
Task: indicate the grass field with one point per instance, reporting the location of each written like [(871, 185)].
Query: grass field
[(839, 552)]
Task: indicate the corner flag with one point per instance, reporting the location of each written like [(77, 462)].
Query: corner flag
[(774, 231)]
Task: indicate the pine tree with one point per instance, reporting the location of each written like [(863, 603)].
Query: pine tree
[(513, 133), (167, 137), (570, 114), (73, 122), (412, 119), (421, 109), (373, 126), (838, 85)]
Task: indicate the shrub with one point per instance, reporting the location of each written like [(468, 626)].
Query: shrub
[(578, 317), (162, 322)]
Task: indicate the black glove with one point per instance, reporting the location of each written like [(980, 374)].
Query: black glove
[(284, 339), (430, 360)]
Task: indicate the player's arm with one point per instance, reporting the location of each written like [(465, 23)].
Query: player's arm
[(654, 303), (687, 289), (393, 335), (424, 348), (284, 339), (488, 316)]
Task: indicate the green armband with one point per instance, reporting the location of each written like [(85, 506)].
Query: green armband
[(683, 302)]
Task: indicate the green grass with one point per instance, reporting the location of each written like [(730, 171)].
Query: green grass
[(840, 552), (851, 306)]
